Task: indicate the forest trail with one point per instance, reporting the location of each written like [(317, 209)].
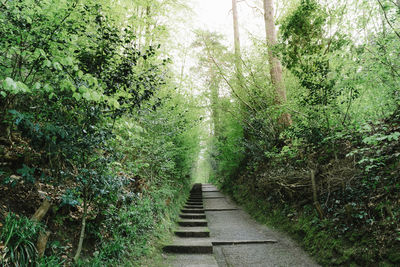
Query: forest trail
[(214, 231)]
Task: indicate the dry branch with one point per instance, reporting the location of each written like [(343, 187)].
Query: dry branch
[(41, 211)]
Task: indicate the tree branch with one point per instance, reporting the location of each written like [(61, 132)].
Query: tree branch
[(223, 76), (387, 19)]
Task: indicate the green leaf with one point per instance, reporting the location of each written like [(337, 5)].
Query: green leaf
[(42, 52), (96, 96), (47, 63), (83, 89), (77, 96), (9, 85), (15, 87), (86, 95), (57, 66), (67, 61), (48, 89), (22, 88), (66, 85), (114, 103), (37, 86), (394, 136)]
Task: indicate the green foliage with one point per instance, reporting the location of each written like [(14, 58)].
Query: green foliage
[(84, 86), (342, 81), (307, 53), (50, 261), (27, 173), (229, 150), (318, 237), (18, 238), (133, 227), (377, 149), (128, 229)]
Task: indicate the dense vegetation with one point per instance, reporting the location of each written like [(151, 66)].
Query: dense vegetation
[(332, 177), (100, 138), (92, 123)]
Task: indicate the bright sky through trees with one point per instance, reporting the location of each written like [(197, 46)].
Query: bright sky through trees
[(216, 15), (213, 15)]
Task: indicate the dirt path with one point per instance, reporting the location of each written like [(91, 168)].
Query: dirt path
[(227, 236)]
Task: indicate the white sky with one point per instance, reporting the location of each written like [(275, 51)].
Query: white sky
[(216, 15)]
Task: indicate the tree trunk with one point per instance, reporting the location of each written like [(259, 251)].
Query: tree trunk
[(236, 37), (315, 195), (82, 235), (274, 62), (41, 211), (214, 101), (148, 27), (42, 242), (43, 236)]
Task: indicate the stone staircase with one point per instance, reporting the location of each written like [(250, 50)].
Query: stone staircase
[(213, 231), (192, 236)]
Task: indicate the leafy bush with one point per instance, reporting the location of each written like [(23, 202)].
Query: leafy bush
[(50, 261), (92, 100)]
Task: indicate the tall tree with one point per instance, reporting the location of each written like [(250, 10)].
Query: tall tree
[(274, 62), (211, 51), (236, 37)]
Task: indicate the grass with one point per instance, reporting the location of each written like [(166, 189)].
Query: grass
[(17, 238)]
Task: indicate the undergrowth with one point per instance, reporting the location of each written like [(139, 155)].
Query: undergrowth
[(139, 230), (350, 214)]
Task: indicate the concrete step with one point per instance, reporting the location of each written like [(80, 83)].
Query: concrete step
[(190, 260), (242, 242), (192, 222), (192, 232), (193, 207), (194, 203), (190, 245), (209, 188), (212, 195), (192, 216), (195, 200), (192, 210)]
